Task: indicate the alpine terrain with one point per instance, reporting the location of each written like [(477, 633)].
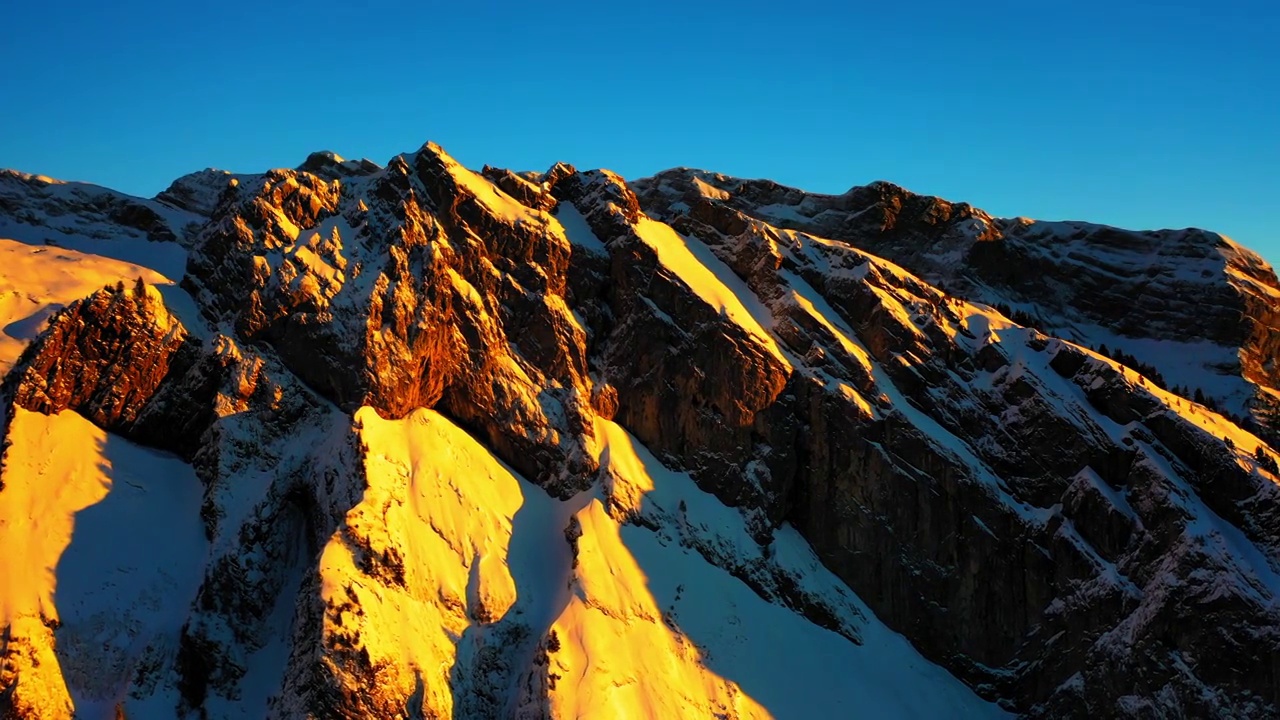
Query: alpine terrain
[(415, 441)]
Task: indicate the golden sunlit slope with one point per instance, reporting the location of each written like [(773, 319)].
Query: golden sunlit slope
[(472, 592), (102, 555)]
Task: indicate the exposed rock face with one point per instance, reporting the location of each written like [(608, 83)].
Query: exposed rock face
[(980, 440), (116, 358), (398, 292), (1093, 284), (1063, 535), (331, 166), (527, 192), (674, 388), (199, 192)]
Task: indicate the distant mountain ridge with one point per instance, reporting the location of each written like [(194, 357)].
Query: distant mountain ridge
[(554, 444)]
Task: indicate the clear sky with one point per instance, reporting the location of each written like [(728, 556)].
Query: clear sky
[(1133, 113)]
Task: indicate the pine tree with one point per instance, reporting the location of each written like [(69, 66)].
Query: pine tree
[(1265, 460)]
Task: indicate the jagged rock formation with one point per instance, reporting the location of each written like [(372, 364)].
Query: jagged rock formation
[(519, 444), (129, 355), (1189, 303), (402, 292)]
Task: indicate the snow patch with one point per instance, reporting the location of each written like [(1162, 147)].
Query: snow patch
[(711, 280), (577, 230)]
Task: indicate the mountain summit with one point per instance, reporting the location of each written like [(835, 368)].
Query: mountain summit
[(351, 440)]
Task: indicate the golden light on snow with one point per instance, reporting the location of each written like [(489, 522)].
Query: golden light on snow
[(37, 280), (625, 622), (65, 473), (101, 540), (475, 543)]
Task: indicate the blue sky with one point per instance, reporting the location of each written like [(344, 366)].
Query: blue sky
[(1131, 113)]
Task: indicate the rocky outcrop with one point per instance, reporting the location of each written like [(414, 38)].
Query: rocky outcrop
[(520, 188), (120, 359), (401, 291), (199, 192), (980, 441), (696, 387), (331, 166)]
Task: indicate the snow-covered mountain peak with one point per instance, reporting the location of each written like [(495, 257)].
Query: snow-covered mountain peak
[(498, 444)]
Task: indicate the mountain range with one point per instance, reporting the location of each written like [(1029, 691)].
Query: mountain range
[(416, 441)]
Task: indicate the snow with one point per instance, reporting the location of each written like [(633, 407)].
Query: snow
[(895, 304), (264, 669), (168, 259), (617, 656), (1193, 364), (984, 326), (447, 506), (781, 213), (1202, 417), (817, 307), (645, 625), (709, 191), (577, 230), (313, 243), (1228, 542), (1074, 405), (1219, 537), (1178, 264), (105, 537), (494, 199), (201, 190), (1116, 497), (38, 280), (715, 283), (71, 215), (942, 439), (654, 630)]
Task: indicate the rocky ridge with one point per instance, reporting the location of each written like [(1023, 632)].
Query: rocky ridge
[(1147, 293)]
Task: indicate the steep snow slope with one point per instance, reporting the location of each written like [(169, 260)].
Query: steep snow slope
[(604, 603), (649, 586), (103, 554), (709, 278)]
